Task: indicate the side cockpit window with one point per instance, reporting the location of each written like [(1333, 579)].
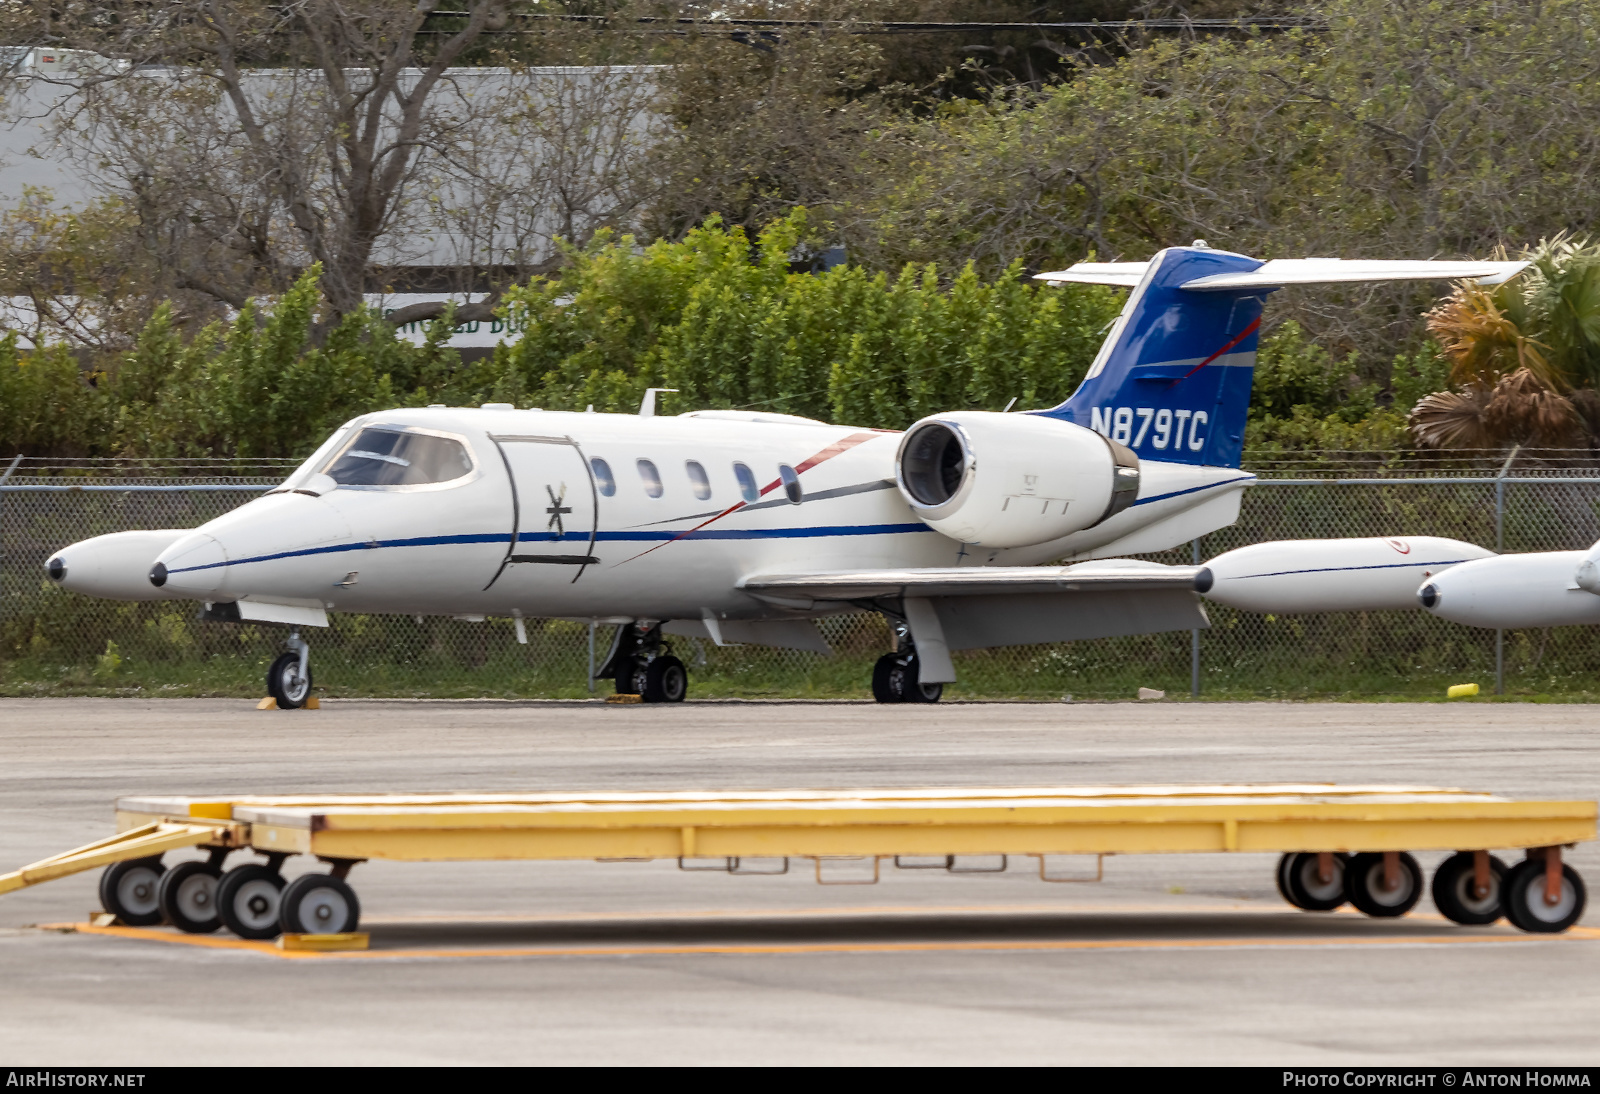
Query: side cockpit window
[(391, 457)]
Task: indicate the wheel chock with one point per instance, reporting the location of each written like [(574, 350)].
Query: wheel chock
[(269, 703), (324, 943), (312, 703), (99, 918), (624, 697)]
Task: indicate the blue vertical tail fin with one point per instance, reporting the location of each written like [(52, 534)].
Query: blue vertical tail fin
[(1172, 380)]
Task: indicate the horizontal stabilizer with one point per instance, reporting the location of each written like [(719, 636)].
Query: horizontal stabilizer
[(1326, 271), (1122, 274), (1280, 272)]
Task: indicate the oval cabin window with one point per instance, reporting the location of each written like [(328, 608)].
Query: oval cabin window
[(651, 478), (604, 480), (748, 490), (791, 483), (698, 480)]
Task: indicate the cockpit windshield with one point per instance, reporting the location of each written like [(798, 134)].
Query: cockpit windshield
[(390, 457)]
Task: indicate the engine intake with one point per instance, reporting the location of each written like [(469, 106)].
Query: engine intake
[(1012, 480)]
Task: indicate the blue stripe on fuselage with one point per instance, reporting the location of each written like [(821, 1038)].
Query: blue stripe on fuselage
[(581, 537)]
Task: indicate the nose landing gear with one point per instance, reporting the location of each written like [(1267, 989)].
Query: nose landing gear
[(289, 678), (896, 676)]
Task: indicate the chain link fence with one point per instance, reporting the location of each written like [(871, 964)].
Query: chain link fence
[(56, 643)]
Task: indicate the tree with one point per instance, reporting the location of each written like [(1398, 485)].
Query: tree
[(1525, 357), (250, 140)]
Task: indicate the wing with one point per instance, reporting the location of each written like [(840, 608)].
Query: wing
[(979, 607)]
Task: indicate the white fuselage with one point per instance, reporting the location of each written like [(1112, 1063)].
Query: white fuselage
[(633, 551)]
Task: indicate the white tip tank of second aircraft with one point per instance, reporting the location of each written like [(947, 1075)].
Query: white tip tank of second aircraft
[(1332, 575)]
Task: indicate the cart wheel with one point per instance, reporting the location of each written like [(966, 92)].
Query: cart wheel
[(1454, 885), (1524, 898), (318, 904), (1363, 885), (286, 685), (187, 896), (1301, 884), (129, 890), (248, 898)]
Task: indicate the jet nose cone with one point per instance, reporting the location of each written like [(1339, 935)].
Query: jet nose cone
[(1428, 595), (57, 569), (195, 564)]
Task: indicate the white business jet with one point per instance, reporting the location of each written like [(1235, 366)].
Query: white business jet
[(743, 527)]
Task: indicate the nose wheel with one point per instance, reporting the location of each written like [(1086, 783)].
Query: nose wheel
[(289, 678)]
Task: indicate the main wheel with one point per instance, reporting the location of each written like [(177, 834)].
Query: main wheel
[(318, 904), (1525, 904), (130, 889), (188, 897), (894, 680), (286, 685), (631, 678), (1363, 884), (1455, 890), (1300, 882), (665, 681), (247, 900)]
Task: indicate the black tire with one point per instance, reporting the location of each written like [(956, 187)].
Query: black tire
[(130, 890), (285, 685), (1363, 884), (1280, 875), (1301, 884), (248, 898), (318, 904), (1524, 898), (630, 678), (665, 681), (1454, 883), (894, 680), (885, 683), (188, 897)]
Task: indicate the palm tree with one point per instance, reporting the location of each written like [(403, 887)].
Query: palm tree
[(1524, 357)]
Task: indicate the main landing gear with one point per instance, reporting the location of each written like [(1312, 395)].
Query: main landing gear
[(642, 664), (252, 900), (289, 678), (895, 676), (1540, 894)]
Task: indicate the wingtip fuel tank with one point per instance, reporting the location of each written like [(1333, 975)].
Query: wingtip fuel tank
[(1332, 575), (1532, 590), (116, 566)]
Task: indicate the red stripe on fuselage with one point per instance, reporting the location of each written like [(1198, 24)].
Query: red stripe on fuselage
[(834, 449)]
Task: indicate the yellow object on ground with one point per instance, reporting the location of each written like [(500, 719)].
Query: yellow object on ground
[(826, 823), (624, 697), (1461, 691), (324, 943), (269, 703)]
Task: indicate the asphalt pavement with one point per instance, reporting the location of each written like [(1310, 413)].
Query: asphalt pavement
[(1178, 960)]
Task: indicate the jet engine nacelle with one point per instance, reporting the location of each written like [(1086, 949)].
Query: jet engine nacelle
[(1534, 590), (116, 567), (1012, 480), (1331, 575)]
